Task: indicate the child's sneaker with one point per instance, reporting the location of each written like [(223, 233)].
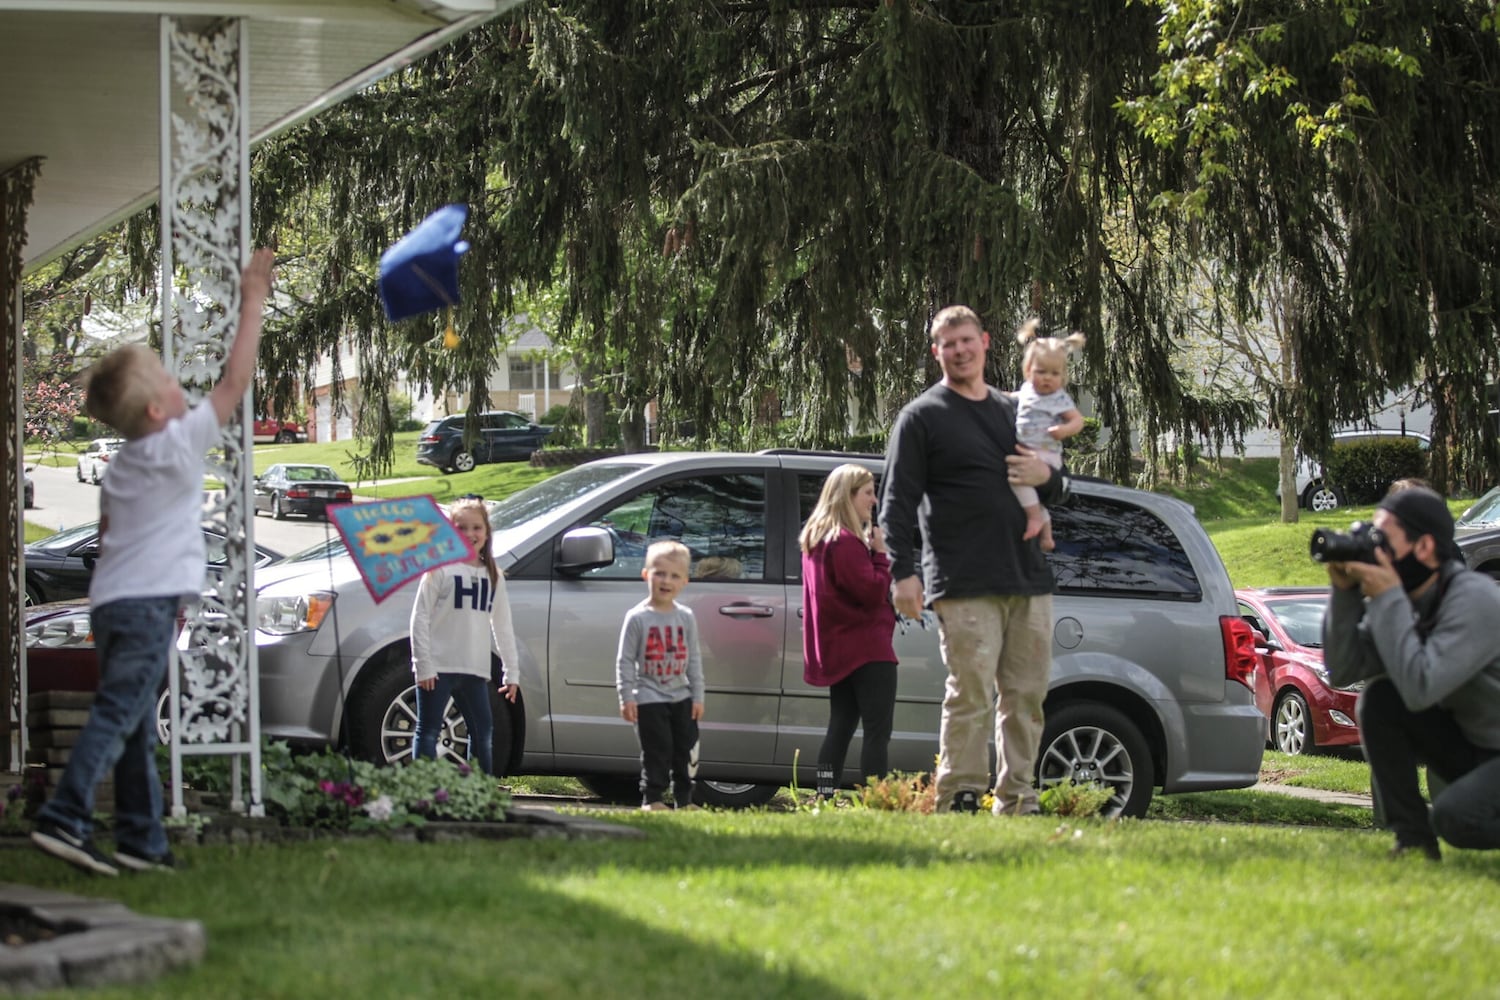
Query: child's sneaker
[(77, 851), (651, 807), (135, 861)]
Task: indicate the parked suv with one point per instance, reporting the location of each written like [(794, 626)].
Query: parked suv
[(1152, 674), (1315, 491), (503, 436)]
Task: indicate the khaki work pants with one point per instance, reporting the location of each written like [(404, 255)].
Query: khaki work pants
[(992, 643)]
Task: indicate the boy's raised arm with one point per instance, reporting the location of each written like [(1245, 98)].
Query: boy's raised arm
[(239, 367)]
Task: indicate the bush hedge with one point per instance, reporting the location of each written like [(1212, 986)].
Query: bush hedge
[(1364, 470)]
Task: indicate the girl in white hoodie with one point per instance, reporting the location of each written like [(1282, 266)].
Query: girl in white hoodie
[(461, 614)]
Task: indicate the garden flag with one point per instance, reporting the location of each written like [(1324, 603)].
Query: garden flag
[(393, 541)]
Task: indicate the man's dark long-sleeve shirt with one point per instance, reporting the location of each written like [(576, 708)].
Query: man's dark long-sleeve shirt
[(946, 476)]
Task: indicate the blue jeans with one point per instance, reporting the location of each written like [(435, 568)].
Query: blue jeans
[(134, 641), (472, 696)]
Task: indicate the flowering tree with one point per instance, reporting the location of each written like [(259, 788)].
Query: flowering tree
[(51, 401)]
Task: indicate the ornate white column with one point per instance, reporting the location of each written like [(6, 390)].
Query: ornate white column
[(15, 198), (205, 238)]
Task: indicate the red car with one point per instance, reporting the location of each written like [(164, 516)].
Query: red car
[(1292, 688)]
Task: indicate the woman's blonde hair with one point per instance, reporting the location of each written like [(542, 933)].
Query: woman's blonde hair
[(486, 557), (835, 507), (1056, 348)]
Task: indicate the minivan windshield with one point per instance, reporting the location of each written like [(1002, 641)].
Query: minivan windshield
[(550, 494)]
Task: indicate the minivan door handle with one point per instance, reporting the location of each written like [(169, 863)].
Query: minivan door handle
[(747, 611)]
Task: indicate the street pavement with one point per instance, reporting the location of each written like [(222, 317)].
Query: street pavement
[(62, 502)]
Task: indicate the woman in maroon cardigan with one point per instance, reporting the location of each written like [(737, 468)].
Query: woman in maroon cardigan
[(848, 623)]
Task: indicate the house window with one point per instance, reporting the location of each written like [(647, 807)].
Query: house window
[(528, 373)]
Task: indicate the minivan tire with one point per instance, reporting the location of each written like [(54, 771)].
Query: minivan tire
[(733, 794), (383, 719), (1089, 741)]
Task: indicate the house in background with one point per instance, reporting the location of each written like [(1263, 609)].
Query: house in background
[(531, 379)]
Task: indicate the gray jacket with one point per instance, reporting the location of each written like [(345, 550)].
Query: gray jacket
[(1457, 665)]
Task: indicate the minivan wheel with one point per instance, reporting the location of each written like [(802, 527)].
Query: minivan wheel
[(1321, 498), (464, 461), (383, 719), (1291, 724), (733, 794), (1090, 742)]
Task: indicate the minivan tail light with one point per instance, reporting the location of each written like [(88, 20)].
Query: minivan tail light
[(1240, 659)]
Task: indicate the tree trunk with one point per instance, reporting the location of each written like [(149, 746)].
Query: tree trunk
[(1288, 471), (633, 428)]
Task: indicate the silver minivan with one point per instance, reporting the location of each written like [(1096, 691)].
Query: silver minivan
[(1152, 675)]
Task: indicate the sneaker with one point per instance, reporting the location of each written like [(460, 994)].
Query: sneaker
[(1023, 808), (651, 807), (690, 807), (966, 801), (135, 861), (77, 851)]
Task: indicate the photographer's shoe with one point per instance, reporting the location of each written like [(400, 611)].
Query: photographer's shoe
[(1428, 849)]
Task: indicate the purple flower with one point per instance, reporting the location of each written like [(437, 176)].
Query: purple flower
[(328, 787), (421, 806), (440, 796), (14, 793), (464, 770)]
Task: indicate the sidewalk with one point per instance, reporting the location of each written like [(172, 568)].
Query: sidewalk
[(1322, 795)]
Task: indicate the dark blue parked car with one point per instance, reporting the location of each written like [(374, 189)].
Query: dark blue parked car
[(504, 436)]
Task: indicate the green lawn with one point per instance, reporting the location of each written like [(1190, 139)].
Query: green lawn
[(844, 903)]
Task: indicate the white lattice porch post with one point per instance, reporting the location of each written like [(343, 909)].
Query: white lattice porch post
[(205, 239)]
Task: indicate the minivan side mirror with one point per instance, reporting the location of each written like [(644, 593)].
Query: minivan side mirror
[(583, 549)]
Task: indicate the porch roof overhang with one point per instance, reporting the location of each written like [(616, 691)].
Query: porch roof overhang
[(79, 87)]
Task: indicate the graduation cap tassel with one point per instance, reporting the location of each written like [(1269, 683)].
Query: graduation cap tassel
[(450, 337)]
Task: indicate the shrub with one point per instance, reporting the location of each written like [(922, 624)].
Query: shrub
[(1365, 469), (899, 792), (328, 791), (1069, 799)]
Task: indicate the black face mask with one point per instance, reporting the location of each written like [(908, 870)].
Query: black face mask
[(1412, 571)]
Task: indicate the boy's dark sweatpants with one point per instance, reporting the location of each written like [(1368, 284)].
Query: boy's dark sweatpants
[(668, 735)]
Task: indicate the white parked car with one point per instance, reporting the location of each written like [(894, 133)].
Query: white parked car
[(1315, 491), (93, 462)]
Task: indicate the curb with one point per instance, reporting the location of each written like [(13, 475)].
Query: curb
[(97, 942)]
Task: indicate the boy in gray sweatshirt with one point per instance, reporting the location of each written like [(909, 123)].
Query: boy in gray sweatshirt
[(659, 674)]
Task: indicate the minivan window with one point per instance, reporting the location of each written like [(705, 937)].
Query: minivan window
[(550, 494), (720, 518), (1105, 547)]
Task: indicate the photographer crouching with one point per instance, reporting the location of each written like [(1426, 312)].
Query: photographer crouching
[(1410, 618)]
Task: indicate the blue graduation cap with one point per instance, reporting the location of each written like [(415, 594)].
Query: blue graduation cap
[(420, 273)]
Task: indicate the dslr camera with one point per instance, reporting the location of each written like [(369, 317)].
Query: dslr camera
[(1358, 545)]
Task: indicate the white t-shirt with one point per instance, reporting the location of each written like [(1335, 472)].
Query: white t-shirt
[(153, 499), (1036, 413)]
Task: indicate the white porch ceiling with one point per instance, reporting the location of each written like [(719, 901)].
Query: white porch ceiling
[(79, 87)]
